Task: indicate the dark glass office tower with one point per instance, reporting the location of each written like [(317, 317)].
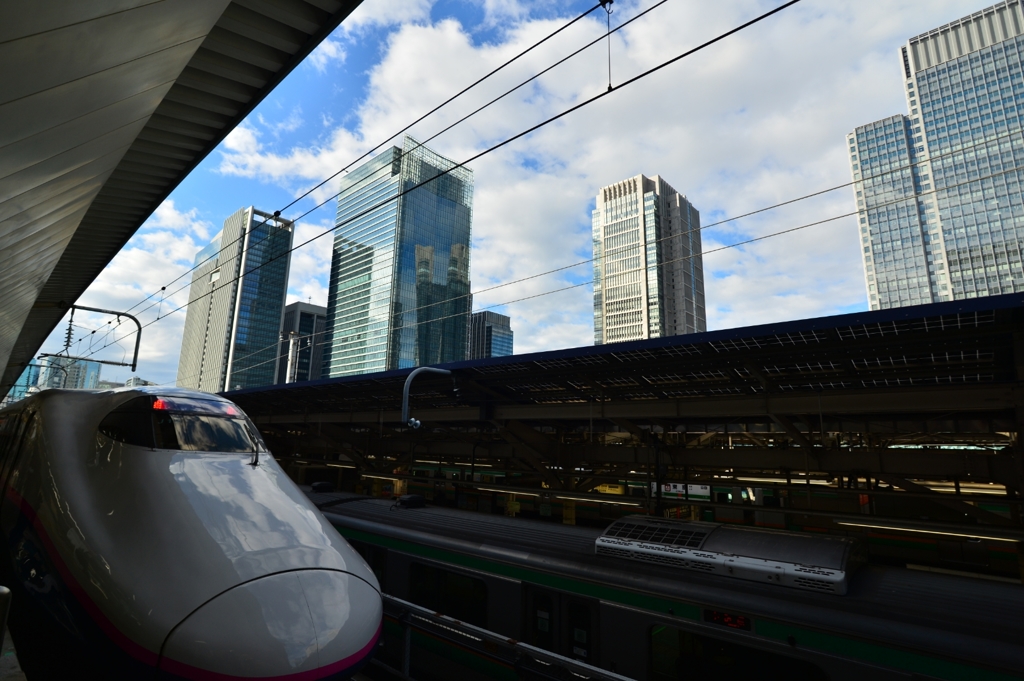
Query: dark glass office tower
[(399, 291), (238, 290), (302, 329), (490, 335), (939, 191)]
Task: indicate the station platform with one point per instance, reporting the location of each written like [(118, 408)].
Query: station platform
[(10, 670)]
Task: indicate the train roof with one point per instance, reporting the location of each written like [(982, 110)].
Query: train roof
[(110, 393), (980, 618)]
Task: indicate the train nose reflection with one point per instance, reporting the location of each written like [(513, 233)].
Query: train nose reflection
[(311, 623)]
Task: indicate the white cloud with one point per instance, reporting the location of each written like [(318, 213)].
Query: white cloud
[(291, 123), (328, 52), (756, 119), (310, 264), (374, 13)]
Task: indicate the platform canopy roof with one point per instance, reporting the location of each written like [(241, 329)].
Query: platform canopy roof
[(932, 390), (105, 106)]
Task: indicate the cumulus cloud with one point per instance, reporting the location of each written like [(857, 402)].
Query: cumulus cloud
[(757, 119), (328, 52)]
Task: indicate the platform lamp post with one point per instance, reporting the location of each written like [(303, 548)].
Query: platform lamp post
[(406, 418)]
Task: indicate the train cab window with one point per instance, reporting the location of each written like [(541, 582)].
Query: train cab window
[(186, 424), (458, 596), (678, 654)]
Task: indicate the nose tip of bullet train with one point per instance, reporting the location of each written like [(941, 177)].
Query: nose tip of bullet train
[(307, 625)]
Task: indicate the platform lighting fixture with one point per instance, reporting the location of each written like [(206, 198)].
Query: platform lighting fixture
[(505, 491), (600, 501), (381, 477), (946, 534), (338, 465)]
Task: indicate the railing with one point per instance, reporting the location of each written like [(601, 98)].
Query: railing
[(524, 661)]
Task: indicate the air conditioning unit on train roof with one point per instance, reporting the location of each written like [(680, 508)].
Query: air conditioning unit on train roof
[(809, 562)]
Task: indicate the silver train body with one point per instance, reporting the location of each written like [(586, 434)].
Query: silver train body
[(808, 562), (148, 534)]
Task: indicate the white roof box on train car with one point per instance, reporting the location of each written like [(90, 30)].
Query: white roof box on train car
[(813, 563)]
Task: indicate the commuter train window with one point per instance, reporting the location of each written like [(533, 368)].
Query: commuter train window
[(449, 593), (186, 424), (677, 654)]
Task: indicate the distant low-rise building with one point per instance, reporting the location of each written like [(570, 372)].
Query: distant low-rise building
[(136, 381), (109, 385)]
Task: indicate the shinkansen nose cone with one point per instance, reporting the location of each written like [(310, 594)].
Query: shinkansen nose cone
[(305, 624)]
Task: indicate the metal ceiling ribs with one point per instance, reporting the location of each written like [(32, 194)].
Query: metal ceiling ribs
[(179, 118)]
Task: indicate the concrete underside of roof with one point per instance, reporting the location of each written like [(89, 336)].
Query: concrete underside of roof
[(105, 107)]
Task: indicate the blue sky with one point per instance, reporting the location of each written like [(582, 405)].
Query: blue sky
[(757, 119)]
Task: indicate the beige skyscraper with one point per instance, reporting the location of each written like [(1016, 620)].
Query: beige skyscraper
[(648, 273)]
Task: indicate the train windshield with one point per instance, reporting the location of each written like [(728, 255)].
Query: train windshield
[(187, 424)]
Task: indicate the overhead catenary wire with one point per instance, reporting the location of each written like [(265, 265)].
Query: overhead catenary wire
[(405, 152), (701, 228), (751, 240), (504, 143), (420, 119)]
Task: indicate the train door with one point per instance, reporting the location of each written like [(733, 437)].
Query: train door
[(541, 621), (580, 629), (562, 623)]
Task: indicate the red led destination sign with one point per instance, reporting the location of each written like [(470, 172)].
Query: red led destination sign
[(727, 619)]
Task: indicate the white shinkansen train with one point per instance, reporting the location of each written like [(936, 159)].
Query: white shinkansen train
[(149, 534)]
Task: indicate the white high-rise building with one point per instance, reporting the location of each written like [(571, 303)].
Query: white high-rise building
[(648, 273)]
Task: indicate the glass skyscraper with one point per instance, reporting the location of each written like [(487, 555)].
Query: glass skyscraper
[(399, 289), (235, 304), (71, 374), (648, 269), (490, 335), (28, 379), (939, 191)]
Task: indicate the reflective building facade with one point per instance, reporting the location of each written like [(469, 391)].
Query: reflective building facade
[(399, 290), (648, 271), (233, 322), (490, 335), (939, 191), (72, 374), (305, 323), (28, 379)]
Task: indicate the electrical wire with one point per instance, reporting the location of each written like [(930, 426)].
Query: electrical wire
[(751, 240), (502, 144), (386, 140), (406, 152)]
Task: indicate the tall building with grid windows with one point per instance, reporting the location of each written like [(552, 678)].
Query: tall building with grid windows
[(490, 335), (938, 192), (235, 304), (399, 288), (648, 271)]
